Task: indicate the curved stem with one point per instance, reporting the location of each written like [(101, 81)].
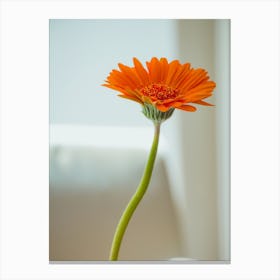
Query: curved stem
[(138, 195)]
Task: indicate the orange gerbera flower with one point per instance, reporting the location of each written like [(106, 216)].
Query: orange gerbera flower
[(164, 85)]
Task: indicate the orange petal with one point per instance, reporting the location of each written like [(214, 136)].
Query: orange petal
[(129, 74), (200, 89), (201, 102), (119, 78), (154, 70), (173, 68), (130, 98), (115, 88), (164, 69), (146, 99), (187, 108), (180, 80), (126, 91), (177, 75), (141, 71), (174, 104), (197, 76), (162, 107)]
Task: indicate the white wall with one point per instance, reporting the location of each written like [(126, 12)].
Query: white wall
[(222, 77), (83, 52), (198, 150)]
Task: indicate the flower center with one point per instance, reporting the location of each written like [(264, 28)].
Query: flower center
[(159, 92)]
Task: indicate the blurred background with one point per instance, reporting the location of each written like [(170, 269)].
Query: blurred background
[(99, 144)]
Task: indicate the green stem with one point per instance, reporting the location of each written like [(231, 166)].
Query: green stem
[(138, 195)]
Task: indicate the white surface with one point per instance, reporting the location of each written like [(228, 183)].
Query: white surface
[(93, 173), (105, 136), (88, 194)]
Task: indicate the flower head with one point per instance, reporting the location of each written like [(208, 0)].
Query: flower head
[(164, 85)]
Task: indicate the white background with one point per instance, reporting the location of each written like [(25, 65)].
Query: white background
[(82, 53), (254, 138)]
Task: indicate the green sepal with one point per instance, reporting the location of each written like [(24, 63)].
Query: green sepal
[(152, 113)]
